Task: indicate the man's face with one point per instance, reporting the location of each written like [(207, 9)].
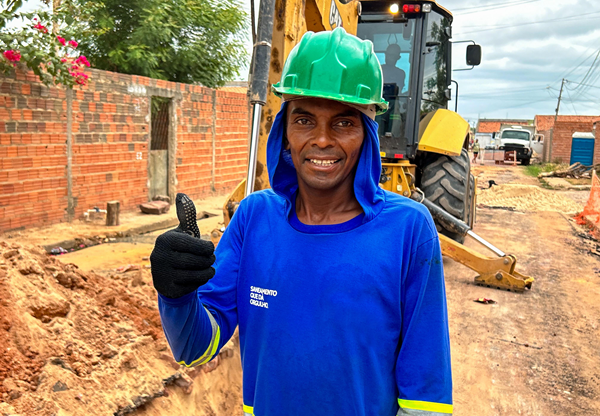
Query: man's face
[(324, 138), (391, 58)]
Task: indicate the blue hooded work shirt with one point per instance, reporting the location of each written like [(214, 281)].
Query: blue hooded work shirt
[(344, 319)]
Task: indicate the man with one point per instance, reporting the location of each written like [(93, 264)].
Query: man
[(475, 151), (391, 73), (336, 285), (393, 78)]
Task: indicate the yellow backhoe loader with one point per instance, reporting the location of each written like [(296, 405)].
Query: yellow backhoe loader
[(423, 144)]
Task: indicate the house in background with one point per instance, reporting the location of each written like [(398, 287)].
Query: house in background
[(571, 139)]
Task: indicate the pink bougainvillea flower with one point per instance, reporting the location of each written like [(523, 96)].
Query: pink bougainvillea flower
[(12, 56), (80, 78), (61, 40), (63, 60), (82, 60), (73, 44), (41, 28)]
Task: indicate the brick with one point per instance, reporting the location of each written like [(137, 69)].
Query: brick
[(109, 128)]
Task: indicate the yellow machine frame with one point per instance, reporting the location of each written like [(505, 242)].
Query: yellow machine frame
[(442, 131)]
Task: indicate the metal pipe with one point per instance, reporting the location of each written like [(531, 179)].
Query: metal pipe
[(253, 153), (456, 97), (261, 59), (488, 245), (452, 223)]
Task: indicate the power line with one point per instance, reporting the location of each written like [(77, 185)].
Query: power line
[(587, 97), (517, 106), (579, 65), (588, 76), (566, 18), (484, 8), (496, 93), (593, 67), (502, 99), (571, 100)]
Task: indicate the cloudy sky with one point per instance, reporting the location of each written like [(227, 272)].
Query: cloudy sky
[(529, 46)]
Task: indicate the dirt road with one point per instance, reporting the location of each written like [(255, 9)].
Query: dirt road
[(535, 353)]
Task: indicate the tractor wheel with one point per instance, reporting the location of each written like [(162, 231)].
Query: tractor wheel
[(472, 210), (446, 182)]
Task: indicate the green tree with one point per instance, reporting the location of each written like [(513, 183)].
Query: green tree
[(9, 8), (185, 41)]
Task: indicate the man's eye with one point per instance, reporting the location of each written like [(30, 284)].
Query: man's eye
[(344, 123), (302, 121)]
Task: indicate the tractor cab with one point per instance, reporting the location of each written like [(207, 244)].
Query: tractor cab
[(412, 42)]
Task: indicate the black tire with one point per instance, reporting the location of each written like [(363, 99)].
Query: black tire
[(472, 211), (526, 162), (446, 182)]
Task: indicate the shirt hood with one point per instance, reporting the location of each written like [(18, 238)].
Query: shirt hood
[(284, 180)]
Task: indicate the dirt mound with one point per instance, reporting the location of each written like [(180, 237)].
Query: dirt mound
[(74, 343), (526, 198)]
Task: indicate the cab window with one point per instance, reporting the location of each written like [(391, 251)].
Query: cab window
[(435, 79)]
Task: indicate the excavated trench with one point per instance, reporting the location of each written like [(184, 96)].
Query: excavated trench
[(81, 334)]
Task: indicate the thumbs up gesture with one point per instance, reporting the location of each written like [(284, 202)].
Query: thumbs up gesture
[(181, 261)]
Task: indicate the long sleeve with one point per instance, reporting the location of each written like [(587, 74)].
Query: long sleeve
[(197, 325), (423, 371)]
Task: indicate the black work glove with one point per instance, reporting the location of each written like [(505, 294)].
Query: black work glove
[(181, 261)]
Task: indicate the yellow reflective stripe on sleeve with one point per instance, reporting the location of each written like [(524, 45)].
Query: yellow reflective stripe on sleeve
[(248, 410), (425, 406), (212, 346)]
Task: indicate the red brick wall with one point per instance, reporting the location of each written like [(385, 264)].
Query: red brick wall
[(109, 127), (110, 131), (232, 139), (33, 182), (194, 141), (563, 137)]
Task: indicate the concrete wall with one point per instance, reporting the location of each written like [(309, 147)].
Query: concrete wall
[(547, 144), (104, 129)]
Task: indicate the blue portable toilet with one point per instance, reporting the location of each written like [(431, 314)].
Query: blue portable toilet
[(582, 148)]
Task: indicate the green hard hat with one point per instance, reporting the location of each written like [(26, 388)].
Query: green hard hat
[(333, 65)]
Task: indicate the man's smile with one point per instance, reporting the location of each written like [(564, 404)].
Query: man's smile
[(323, 162)]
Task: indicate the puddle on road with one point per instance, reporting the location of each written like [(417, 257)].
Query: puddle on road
[(107, 257)]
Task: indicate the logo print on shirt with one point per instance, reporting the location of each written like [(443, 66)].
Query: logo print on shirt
[(258, 296)]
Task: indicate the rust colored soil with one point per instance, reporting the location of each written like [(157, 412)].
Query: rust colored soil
[(74, 342)]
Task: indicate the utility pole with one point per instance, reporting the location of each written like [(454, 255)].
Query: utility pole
[(562, 85), (559, 98)]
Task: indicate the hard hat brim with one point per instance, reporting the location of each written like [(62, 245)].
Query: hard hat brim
[(382, 106)]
